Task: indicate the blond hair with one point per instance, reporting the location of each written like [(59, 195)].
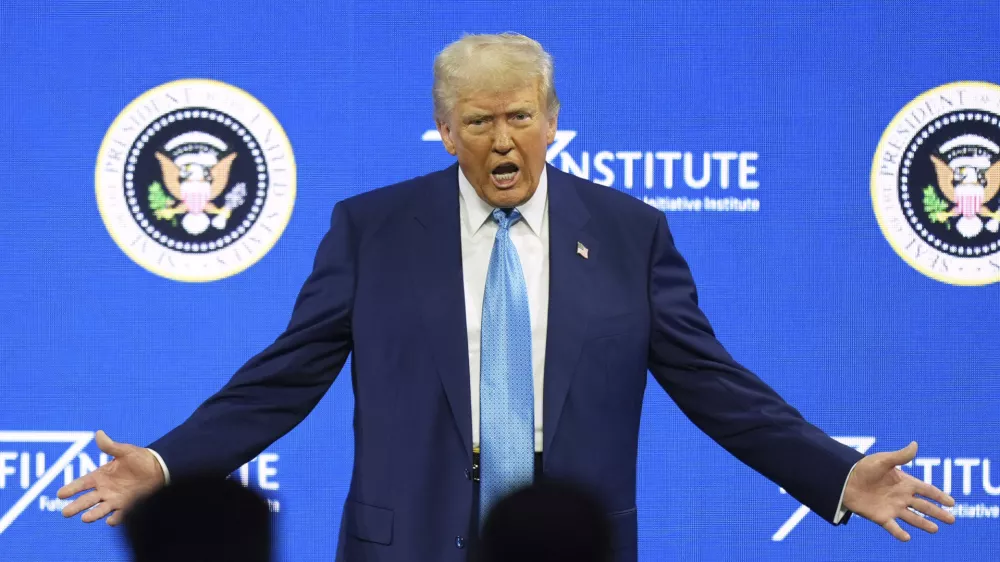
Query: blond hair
[(496, 63)]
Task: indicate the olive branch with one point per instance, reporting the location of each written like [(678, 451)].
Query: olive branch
[(158, 200), (935, 207)]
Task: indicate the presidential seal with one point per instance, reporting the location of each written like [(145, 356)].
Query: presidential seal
[(195, 180), (935, 182)]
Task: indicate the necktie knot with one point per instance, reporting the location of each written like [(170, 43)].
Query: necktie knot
[(505, 218)]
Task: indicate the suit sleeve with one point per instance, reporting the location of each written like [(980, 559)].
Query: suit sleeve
[(728, 402), (277, 388)]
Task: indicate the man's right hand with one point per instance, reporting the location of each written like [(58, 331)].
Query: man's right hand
[(114, 487)]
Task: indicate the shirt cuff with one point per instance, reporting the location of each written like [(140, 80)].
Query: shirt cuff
[(166, 473), (841, 512)]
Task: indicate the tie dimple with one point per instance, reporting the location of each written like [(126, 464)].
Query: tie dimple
[(505, 218)]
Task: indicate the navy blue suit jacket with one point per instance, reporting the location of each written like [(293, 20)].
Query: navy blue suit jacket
[(387, 289)]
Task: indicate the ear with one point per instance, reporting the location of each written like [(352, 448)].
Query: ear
[(445, 131), (550, 136)]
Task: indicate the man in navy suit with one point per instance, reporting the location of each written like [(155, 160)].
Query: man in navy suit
[(501, 316)]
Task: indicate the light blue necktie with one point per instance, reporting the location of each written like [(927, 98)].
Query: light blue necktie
[(506, 389)]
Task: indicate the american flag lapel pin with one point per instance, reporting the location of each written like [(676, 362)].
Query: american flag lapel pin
[(582, 250)]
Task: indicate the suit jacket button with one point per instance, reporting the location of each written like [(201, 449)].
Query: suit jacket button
[(468, 474), (459, 542)]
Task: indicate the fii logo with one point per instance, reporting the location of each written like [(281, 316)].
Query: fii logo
[(973, 480), (29, 471), (35, 464)]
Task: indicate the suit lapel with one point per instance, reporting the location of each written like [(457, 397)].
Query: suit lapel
[(436, 264), (569, 295)]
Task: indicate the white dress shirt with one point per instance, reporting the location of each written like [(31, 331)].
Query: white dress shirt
[(530, 236)]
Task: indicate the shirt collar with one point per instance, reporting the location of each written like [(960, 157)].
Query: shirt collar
[(477, 211)]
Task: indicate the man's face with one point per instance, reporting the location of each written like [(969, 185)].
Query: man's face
[(500, 141)]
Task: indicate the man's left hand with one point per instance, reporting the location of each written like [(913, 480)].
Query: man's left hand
[(878, 491)]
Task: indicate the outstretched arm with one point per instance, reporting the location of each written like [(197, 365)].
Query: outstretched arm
[(728, 402), (276, 389), (265, 399), (751, 421)]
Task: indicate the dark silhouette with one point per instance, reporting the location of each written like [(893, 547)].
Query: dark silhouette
[(550, 521), (200, 520)]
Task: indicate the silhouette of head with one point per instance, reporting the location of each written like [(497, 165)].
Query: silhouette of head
[(550, 521), (200, 520)]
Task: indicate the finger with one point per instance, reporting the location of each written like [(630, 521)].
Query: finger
[(928, 491), (98, 512), (116, 518), (919, 522), (904, 455), (83, 502), (932, 510), (895, 530), (82, 483), (109, 446)]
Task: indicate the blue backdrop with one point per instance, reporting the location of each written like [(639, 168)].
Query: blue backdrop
[(805, 290)]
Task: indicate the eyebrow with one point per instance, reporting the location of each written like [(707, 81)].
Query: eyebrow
[(476, 115), (521, 109)]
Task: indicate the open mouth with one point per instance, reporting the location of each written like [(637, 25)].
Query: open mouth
[(505, 175)]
